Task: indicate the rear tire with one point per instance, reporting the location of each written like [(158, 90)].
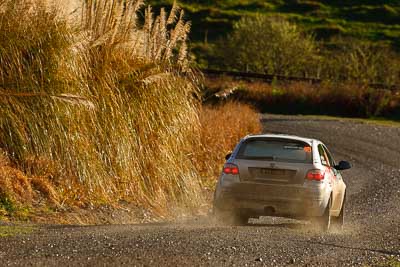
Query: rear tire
[(338, 222), (240, 219), (324, 222), (234, 218)]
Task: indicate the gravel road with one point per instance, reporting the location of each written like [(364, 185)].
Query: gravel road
[(371, 235)]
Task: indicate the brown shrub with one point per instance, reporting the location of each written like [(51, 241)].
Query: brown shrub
[(46, 189), (18, 189), (222, 126), (15, 187), (337, 99)]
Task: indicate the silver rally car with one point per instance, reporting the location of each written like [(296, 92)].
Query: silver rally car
[(283, 176)]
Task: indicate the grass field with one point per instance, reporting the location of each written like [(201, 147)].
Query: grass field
[(374, 20), (14, 230)]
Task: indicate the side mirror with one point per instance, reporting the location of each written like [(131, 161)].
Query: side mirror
[(343, 165), (228, 156)]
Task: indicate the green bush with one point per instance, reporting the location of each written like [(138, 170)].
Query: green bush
[(269, 44), (361, 62)]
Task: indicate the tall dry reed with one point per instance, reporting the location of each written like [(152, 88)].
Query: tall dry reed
[(98, 106)]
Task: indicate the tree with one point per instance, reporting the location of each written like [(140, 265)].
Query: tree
[(269, 44)]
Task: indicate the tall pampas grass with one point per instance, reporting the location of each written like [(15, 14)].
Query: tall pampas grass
[(98, 105)]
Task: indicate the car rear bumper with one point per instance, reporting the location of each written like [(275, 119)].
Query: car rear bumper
[(273, 200)]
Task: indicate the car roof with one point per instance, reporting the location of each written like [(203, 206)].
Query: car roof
[(285, 136)]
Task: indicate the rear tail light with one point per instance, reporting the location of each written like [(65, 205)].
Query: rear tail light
[(317, 175), (230, 168)]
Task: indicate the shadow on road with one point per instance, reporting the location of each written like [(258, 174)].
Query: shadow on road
[(382, 251), (279, 225)]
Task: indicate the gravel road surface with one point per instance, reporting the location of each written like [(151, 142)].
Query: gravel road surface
[(371, 236)]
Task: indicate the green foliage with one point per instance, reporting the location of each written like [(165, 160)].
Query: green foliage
[(381, 14), (271, 45), (392, 261), (14, 230), (361, 62), (6, 204)]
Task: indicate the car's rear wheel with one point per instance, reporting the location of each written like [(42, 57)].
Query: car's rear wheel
[(240, 219), (324, 222), (230, 217), (338, 222)]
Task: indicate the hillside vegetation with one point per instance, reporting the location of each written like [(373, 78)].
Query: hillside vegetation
[(351, 46), (325, 19), (369, 19)]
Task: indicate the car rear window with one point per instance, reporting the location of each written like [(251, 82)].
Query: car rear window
[(276, 150)]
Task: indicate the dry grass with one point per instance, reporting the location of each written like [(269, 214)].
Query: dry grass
[(97, 111), (222, 127), (18, 190)]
